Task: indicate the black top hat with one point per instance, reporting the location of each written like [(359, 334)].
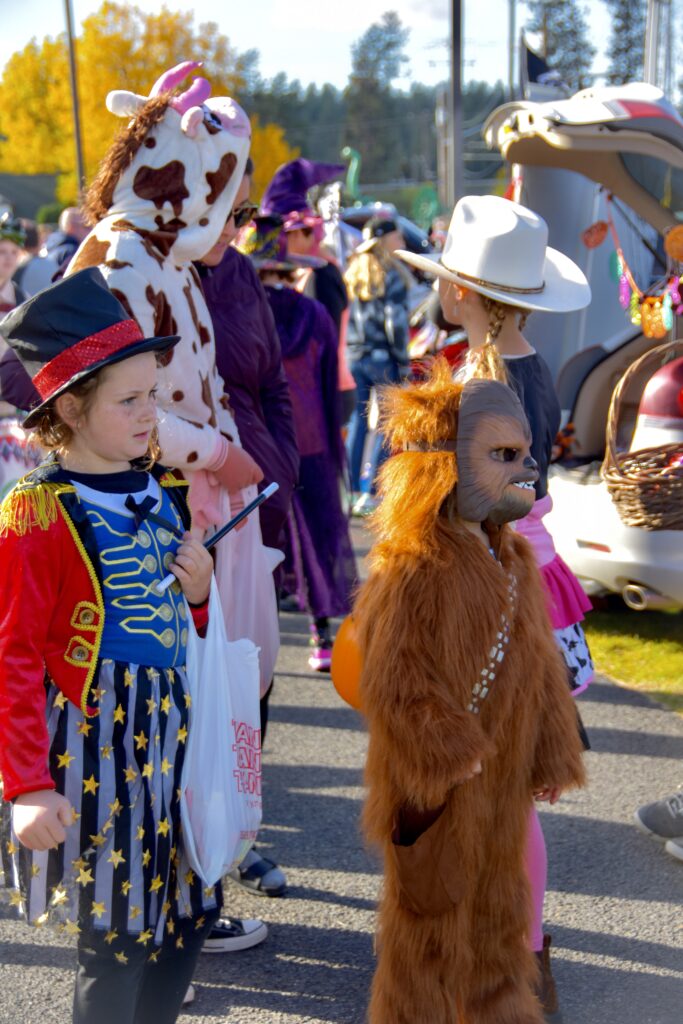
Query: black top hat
[(70, 331)]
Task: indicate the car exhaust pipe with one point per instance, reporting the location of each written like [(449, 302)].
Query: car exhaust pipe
[(641, 599)]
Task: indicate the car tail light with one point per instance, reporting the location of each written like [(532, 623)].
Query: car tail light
[(594, 546)]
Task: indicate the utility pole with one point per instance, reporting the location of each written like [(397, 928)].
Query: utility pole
[(658, 68), (80, 166), (457, 164), (512, 46)]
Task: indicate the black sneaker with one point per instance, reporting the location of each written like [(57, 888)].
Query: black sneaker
[(231, 934)]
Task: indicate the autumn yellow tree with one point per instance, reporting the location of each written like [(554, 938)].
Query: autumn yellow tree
[(269, 149), (119, 47)]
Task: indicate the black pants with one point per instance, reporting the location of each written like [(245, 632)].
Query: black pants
[(263, 708), (137, 992)]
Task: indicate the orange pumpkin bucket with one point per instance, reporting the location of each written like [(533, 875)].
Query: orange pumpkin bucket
[(347, 663)]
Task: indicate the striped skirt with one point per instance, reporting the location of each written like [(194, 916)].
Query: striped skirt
[(122, 870)]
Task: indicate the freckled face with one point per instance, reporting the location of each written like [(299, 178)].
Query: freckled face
[(117, 426), (496, 473)]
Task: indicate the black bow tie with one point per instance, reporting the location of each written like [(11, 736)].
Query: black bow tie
[(143, 510)]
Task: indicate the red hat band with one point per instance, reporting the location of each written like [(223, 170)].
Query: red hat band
[(84, 354)]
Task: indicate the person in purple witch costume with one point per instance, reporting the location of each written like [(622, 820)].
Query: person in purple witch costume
[(287, 197), (319, 562)]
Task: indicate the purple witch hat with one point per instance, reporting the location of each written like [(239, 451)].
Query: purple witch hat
[(265, 243), (286, 195)]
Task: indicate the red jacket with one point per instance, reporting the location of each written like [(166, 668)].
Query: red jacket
[(51, 614)]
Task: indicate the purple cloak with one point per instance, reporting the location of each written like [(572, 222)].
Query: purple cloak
[(249, 360), (320, 565)]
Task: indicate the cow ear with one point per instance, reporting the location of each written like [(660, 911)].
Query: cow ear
[(123, 103), (191, 120)]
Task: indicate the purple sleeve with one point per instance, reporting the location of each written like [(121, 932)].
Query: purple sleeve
[(275, 398), (326, 335), (16, 387)]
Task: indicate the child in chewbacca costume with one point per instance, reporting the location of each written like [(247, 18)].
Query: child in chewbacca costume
[(468, 710)]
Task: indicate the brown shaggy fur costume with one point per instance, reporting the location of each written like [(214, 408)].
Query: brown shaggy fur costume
[(455, 907)]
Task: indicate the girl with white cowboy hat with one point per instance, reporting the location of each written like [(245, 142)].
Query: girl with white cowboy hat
[(496, 269)]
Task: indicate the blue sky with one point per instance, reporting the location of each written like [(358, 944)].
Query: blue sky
[(307, 41)]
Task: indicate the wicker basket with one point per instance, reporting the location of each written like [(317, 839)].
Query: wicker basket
[(646, 492)]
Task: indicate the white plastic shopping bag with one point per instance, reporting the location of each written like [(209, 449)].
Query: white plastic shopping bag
[(244, 568), (220, 801)]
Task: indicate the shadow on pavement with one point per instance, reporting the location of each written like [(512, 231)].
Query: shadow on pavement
[(342, 717), (641, 744), (610, 995), (633, 952), (592, 857), (311, 973)]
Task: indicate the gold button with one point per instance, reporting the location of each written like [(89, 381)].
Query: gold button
[(175, 588), (183, 636), (143, 539), (163, 536), (79, 653), (87, 616), (182, 611), (149, 563), (166, 612), (168, 559), (168, 637)]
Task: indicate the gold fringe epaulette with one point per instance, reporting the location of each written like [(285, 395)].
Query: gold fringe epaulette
[(30, 506), (172, 478)]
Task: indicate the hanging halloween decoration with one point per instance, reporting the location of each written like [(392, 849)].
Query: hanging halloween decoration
[(652, 310)]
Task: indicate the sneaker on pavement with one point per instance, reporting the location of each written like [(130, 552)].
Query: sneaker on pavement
[(260, 875), (674, 848), (231, 934), (189, 996), (662, 819), (320, 658)]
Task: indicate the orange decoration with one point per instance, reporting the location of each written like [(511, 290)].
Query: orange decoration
[(673, 243), (347, 663), (595, 235)]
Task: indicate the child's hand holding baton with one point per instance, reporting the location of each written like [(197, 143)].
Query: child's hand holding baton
[(210, 542)]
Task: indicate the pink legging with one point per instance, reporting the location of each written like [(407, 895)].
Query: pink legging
[(537, 870)]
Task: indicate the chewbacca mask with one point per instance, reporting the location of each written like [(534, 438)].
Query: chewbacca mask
[(496, 471), (467, 706)]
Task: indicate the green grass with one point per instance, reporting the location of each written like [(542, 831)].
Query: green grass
[(643, 650)]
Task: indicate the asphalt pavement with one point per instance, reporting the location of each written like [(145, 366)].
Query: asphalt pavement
[(614, 906)]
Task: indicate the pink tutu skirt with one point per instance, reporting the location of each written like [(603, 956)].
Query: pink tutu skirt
[(567, 602)]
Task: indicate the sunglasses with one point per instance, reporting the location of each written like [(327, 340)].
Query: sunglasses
[(243, 214)]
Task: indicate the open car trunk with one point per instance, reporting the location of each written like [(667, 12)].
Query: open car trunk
[(627, 141)]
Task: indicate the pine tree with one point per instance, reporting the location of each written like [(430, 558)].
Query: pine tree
[(372, 117), (627, 41), (565, 31)]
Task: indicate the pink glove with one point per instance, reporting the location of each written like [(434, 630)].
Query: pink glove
[(236, 469)]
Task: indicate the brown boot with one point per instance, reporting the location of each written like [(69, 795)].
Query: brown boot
[(547, 991)]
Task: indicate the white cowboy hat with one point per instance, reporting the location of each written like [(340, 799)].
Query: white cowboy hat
[(499, 248)]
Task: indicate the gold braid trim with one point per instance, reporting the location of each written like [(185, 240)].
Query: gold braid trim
[(30, 506), (169, 480)]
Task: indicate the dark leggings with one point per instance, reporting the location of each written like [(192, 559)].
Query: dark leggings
[(137, 992), (264, 711)]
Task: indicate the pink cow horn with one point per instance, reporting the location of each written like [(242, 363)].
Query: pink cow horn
[(174, 76), (198, 91)]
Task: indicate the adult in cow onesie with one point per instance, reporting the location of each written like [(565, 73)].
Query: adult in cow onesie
[(160, 200), (468, 709)]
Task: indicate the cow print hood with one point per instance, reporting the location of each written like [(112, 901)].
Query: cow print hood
[(180, 185)]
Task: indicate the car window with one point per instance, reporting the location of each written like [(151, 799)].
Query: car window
[(663, 182)]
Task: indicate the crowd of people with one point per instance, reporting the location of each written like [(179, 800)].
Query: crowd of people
[(164, 354)]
